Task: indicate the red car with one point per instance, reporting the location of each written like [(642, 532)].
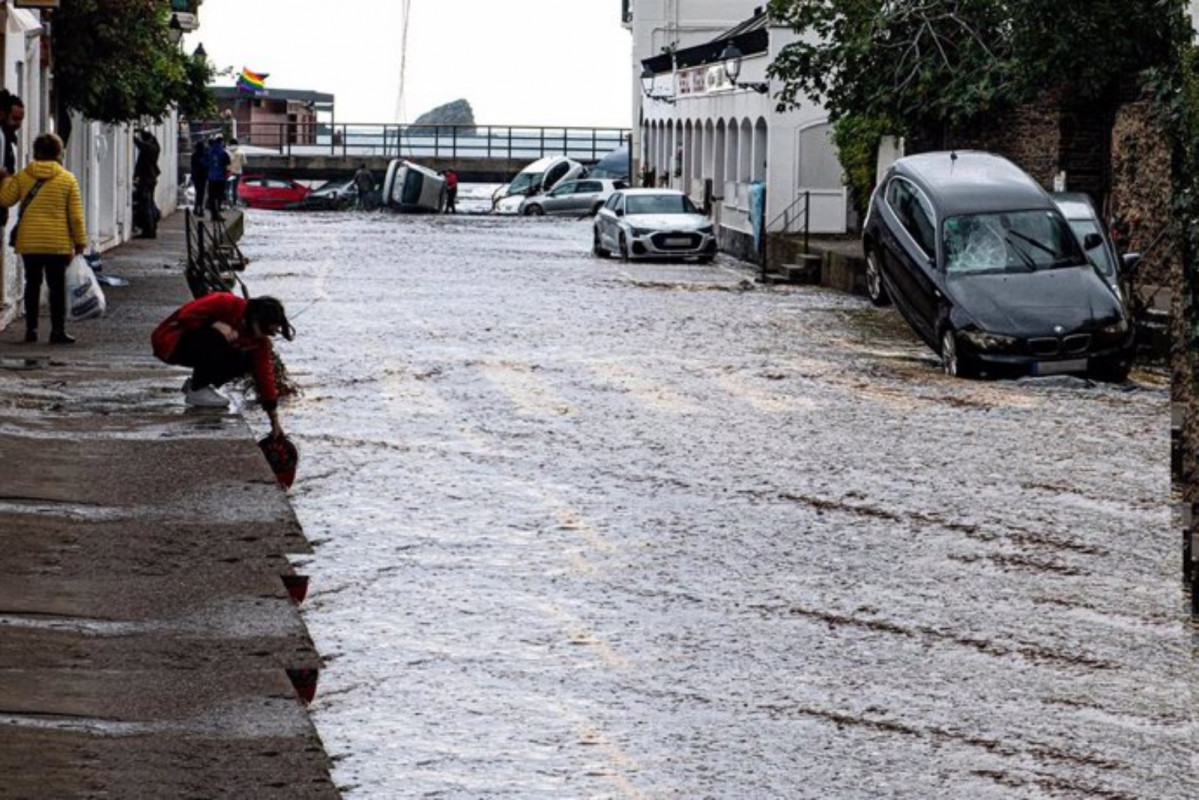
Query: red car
[(258, 191)]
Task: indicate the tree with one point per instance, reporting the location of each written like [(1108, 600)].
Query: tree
[(925, 65), (115, 63)]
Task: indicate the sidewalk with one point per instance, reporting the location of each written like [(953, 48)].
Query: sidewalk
[(146, 635)]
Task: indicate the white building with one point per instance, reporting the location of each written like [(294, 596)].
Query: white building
[(100, 156), (698, 131)]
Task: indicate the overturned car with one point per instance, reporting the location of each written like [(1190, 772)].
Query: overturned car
[(410, 188)]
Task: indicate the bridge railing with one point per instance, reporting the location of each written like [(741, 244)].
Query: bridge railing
[(431, 141)]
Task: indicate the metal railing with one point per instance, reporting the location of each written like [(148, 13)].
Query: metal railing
[(431, 141), (786, 215)]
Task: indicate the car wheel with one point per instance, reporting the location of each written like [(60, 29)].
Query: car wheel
[(874, 281), (1112, 371), (624, 247), (534, 211), (704, 260), (597, 249), (952, 361)]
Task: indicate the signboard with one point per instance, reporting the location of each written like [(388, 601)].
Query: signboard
[(701, 80), (49, 4)]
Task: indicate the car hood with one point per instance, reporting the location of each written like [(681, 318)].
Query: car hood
[(675, 222), (1033, 303)]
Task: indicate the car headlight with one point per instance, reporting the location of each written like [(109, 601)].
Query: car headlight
[(989, 341), (1117, 328), (706, 230), (639, 232)]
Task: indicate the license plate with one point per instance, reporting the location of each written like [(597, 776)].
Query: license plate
[(1059, 367), (677, 241)]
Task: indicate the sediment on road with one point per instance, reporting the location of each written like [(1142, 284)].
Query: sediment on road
[(149, 643)]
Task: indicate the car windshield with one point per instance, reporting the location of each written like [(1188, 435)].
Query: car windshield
[(1098, 254), (1014, 241), (521, 183), (659, 204)]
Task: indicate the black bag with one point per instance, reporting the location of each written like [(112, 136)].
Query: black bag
[(37, 187)]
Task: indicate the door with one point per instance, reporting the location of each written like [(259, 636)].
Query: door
[(559, 200), (910, 255)]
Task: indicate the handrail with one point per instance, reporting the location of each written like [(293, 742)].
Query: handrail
[(806, 197), (393, 140)]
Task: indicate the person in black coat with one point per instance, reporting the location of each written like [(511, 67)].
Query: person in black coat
[(145, 182), (199, 167)]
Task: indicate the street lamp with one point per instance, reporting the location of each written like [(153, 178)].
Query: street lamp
[(732, 70), (175, 30), (201, 54), (647, 87)]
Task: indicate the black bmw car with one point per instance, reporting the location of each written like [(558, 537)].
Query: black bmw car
[(980, 262)]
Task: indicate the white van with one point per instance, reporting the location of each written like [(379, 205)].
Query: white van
[(539, 177)]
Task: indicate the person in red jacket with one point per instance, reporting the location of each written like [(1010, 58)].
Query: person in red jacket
[(222, 337)]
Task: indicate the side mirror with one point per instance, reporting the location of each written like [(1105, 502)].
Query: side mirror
[(1091, 241), (619, 212), (1130, 261)]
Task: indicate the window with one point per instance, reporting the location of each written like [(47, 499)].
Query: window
[(590, 187), (915, 213), (1014, 241), (661, 204), (612, 201), (567, 188), (556, 173)]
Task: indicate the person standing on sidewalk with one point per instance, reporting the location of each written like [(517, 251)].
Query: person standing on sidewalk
[(237, 165), (221, 337), (12, 114), (145, 182), (218, 171), (199, 167), (49, 231)]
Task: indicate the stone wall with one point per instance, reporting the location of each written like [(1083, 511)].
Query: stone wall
[(1140, 199)]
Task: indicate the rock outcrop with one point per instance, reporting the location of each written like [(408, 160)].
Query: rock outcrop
[(457, 113)]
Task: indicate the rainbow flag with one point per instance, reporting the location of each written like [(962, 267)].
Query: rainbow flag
[(252, 82)]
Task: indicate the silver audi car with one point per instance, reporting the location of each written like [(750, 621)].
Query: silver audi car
[(653, 223)]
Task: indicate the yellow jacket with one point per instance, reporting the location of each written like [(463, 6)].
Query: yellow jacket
[(53, 223)]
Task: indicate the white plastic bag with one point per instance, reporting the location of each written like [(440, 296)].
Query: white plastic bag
[(85, 298)]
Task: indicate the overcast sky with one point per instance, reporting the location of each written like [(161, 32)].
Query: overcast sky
[(523, 62)]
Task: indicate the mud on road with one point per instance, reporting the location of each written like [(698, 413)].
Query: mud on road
[(587, 529)]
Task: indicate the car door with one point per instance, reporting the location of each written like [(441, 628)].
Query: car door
[(606, 221), (559, 200), (909, 249), (586, 196)]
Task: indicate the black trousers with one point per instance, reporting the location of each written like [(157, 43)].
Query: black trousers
[(200, 182), (54, 269), (216, 196), (213, 360)]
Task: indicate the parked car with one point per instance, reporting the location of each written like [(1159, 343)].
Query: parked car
[(335, 195), (410, 187), (614, 165), (653, 223), (259, 191), (1096, 241), (577, 198), (542, 176), (982, 265)]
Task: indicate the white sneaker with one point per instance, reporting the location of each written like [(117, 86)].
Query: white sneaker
[(206, 397)]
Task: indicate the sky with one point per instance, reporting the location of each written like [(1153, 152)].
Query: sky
[(518, 62)]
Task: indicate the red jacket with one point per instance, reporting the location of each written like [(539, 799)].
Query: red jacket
[(229, 309)]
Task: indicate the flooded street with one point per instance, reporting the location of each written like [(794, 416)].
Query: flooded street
[(594, 530)]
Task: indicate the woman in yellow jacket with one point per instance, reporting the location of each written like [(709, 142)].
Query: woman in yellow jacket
[(49, 231)]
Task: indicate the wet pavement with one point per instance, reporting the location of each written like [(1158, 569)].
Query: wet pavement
[(587, 529)]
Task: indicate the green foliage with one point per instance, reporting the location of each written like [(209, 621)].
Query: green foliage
[(114, 62), (927, 66), (857, 139)]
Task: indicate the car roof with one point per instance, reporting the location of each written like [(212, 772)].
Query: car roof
[(642, 192), (973, 182), (1074, 205)]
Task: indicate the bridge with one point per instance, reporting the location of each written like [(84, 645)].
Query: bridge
[(478, 153)]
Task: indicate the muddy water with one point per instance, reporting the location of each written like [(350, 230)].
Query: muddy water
[(590, 530)]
